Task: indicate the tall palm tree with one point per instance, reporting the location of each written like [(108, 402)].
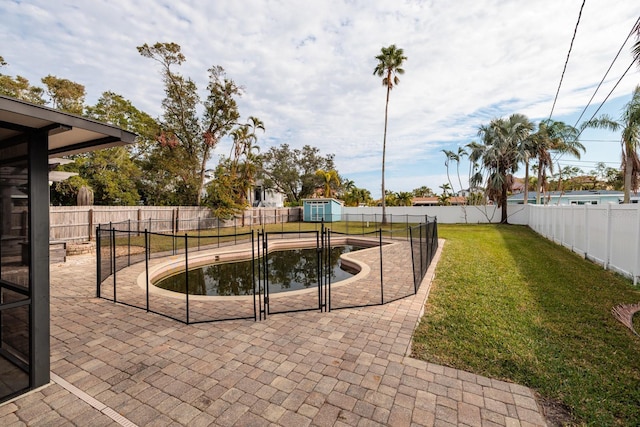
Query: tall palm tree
[(629, 124), (552, 137), (389, 65), (455, 157), (328, 178), (500, 155)]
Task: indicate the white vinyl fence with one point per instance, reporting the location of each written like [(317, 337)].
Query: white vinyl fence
[(607, 234), (517, 214)]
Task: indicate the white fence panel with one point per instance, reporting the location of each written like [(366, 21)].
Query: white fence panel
[(517, 214), (597, 246), (624, 222), (580, 229), (606, 234)]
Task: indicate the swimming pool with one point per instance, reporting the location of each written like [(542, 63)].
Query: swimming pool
[(288, 270)]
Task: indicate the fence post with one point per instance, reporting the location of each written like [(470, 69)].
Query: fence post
[(637, 269), (147, 254), (113, 262), (587, 233), (381, 272), (129, 243), (608, 236), (98, 261), (186, 270), (90, 223)]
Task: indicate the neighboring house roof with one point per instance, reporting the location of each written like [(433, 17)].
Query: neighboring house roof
[(323, 199), (68, 133), (433, 201), (518, 185), (569, 194)]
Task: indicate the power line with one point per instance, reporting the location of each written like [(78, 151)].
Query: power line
[(609, 69), (601, 104), (609, 94), (575, 30)]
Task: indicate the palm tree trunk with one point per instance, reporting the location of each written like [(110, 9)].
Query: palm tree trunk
[(503, 202), (384, 151), (539, 183), (526, 181)]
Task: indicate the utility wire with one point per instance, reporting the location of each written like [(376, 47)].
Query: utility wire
[(608, 95), (601, 104), (575, 30), (609, 69), (633, 29)]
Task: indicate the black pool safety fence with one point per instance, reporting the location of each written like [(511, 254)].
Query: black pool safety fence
[(259, 279)]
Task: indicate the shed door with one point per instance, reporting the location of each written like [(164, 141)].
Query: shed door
[(317, 211)]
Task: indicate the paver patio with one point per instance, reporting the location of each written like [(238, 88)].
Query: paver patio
[(116, 365)]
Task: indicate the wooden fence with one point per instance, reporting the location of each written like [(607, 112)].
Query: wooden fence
[(78, 223)]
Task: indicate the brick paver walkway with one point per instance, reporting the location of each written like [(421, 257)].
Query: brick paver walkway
[(115, 365)]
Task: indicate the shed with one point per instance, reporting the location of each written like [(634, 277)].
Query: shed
[(327, 210)]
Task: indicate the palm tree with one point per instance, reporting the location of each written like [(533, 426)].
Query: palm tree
[(500, 153), (328, 178), (455, 157), (358, 196), (552, 137), (389, 66), (346, 186), (404, 198), (629, 123)]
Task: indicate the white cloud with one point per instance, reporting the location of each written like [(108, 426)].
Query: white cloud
[(307, 66)]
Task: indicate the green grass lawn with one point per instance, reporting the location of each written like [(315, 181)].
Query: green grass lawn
[(509, 304)]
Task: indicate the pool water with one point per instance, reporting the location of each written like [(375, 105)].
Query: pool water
[(289, 270)]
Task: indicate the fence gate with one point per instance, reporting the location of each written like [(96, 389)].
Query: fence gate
[(291, 280)]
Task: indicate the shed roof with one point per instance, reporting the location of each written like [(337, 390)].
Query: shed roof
[(68, 133)]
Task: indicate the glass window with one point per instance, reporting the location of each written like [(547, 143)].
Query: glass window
[(14, 270)]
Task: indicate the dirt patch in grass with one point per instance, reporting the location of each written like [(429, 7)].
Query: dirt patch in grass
[(556, 413)]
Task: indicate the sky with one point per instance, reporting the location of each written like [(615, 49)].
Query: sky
[(307, 68)]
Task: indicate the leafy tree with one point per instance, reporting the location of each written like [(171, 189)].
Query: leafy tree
[(65, 193), (329, 181), (423, 191), (234, 176), (389, 65), (565, 179), (615, 179), (629, 125), (500, 155), (110, 173), (293, 171), (186, 138), (221, 192), (115, 174), (19, 87), (116, 110), (65, 95)]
